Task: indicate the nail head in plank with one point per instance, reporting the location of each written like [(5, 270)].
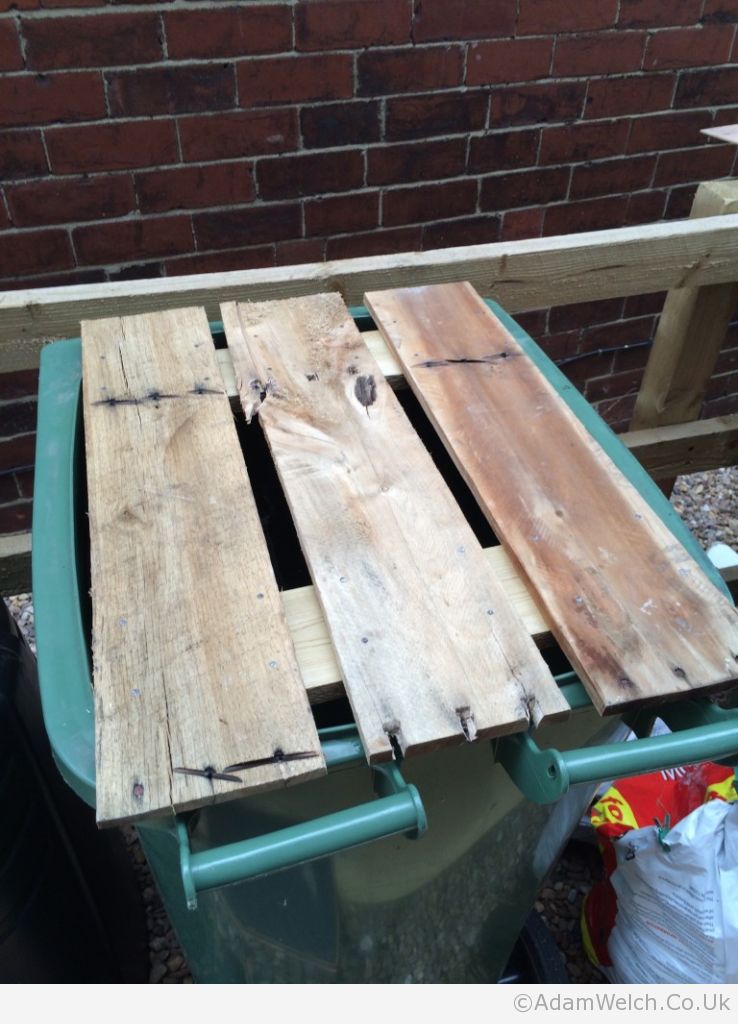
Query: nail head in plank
[(428, 646), (634, 613), (194, 667)]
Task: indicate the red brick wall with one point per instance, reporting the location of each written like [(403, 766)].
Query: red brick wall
[(162, 137)]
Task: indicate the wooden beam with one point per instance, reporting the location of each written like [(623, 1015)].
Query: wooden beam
[(15, 564), (529, 274), (690, 333), (667, 452)]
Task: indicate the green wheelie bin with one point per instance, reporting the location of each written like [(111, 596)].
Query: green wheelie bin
[(424, 871)]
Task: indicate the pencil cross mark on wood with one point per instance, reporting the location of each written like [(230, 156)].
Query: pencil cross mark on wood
[(278, 757), (489, 360), (209, 773)]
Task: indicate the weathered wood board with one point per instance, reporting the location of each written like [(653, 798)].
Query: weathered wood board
[(194, 667), (633, 612), (429, 648)]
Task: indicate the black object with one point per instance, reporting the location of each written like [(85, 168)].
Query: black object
[(70, 910), (535, 959)]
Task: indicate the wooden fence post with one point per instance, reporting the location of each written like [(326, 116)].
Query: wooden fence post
[(690, 333)]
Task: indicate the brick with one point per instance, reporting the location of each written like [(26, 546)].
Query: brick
[(684, 47), (612, 176), (422, 161), (339, 124), (18, 5), (53, 280), (42, 99), (533, 321), (300, 250), (417, 117), (599, 54), (503, 151), (519, 224), (247, 133), (580, 370), (722, 385), (632, 358), (469, 231), (310, 174), (63, 200), (679, 203), (436, 20), (135, 271), (127, 240), (21, 155), (11, 58), (92, 41), (374, 243), (626, 383), (337, 25), (532, 104), (508, 60), (616, 97), (21, 451), (645, 207), (270, 80), (667, 131), (575, 142), (582, 314), (25, 483), (185, 188), (701, 164), (657, 14), (9, 490), (254, 226), (424, 202), (16, 517), (18, 384), (644, 305), (34, 252), (589, 215), (221, 262), (339, 214), (171, 90), (719, 407), (382, 72), (539, 16), (719, 12), (18, 417), (525, 188), (111, 147), (228, 31), (712, 88)]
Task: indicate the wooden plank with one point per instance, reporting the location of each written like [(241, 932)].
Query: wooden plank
[(530, 274), (429, 649), (193, 663), (633, 612), (690, 333), (668, 452), (15, 564)]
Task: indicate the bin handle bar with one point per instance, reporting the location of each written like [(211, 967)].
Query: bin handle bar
[(544, 776), (398, 810)]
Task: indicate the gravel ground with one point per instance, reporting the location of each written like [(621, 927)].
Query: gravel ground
[(708, 503)]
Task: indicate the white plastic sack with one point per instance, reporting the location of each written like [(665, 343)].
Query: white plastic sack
[(677, 918)]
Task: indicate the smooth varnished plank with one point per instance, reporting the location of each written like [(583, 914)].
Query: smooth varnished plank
[(634, 613), (429, 649), (193, 663)]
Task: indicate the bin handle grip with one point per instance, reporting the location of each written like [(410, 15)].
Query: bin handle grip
[(544, 776), (399, 810)]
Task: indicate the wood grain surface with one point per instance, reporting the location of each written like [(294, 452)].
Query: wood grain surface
[(634, 613), (430, 650), (194, 668)]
